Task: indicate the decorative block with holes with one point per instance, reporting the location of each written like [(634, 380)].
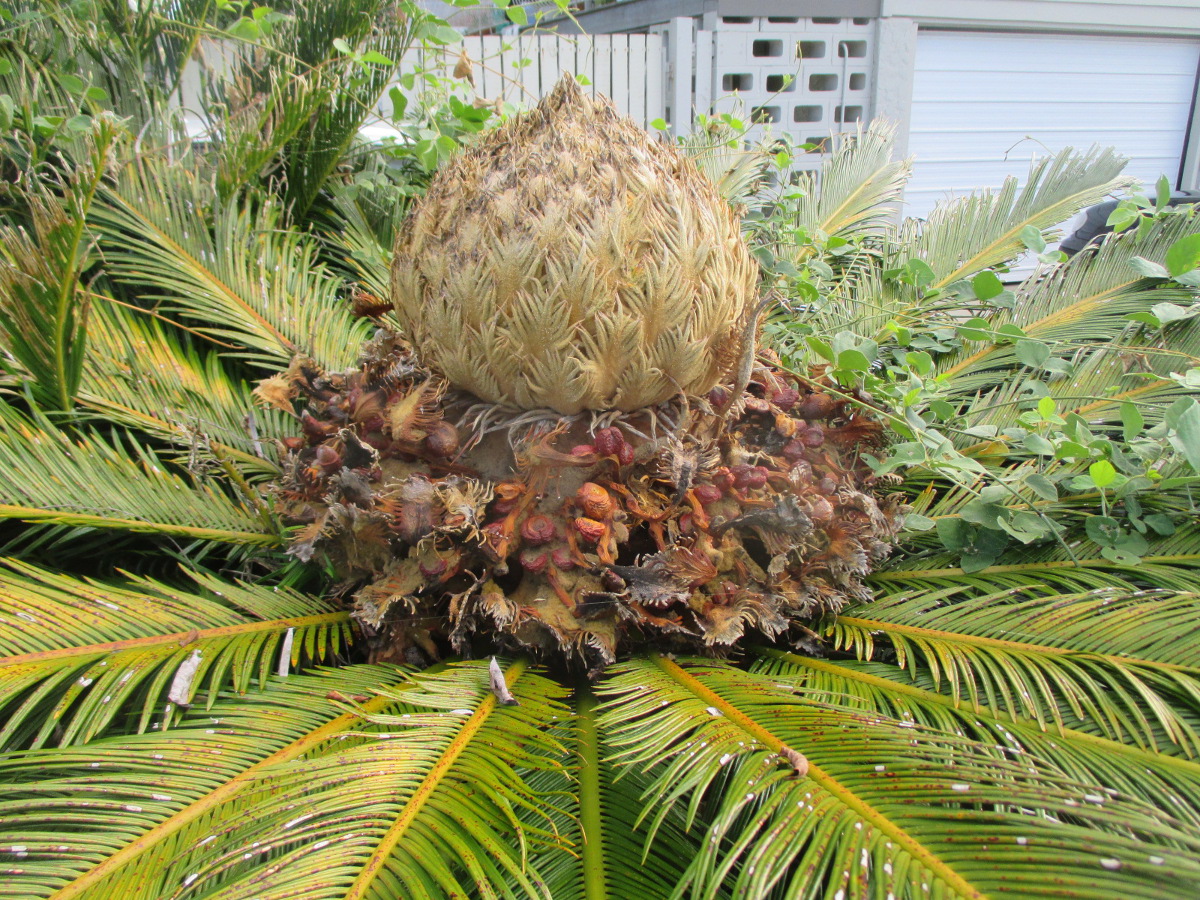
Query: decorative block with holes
[(806, 78)]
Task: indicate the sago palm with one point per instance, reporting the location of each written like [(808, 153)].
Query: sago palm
[(253, 541)]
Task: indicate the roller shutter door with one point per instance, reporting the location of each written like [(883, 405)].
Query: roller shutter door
[(984, 103)]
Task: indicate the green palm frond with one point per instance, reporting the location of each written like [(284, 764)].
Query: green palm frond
[(1131, 677), (86, 482), (737, 172), (422, 802), (129, 841), (246, 283), (367, 222), (43, 308), (1087, 300), (854, 191), (1086, 757), (139, 375), (880, 805), (964, 237), (1046, 571), (311, 158), (1102, 384), (113, 653), (970, 234), (250, 128), (604, 854)]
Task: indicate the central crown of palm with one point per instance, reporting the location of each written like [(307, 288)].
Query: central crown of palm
[(569, 261)]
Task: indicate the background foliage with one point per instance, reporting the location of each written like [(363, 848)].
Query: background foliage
[(186, 709)]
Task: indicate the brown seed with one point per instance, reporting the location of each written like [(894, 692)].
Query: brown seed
[(504, 507), (433, 568), (793, 451), (594, 500), (314, 429), (723, 479), (743, 475), (817, 406), (442, 440), (785, 398)]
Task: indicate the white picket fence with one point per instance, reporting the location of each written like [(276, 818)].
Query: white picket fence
[(521, 69)]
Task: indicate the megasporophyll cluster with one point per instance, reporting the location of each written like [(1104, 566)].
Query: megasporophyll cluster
[(577, 446)]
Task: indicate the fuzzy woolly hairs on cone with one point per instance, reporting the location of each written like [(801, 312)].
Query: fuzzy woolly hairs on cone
[(569, 261)]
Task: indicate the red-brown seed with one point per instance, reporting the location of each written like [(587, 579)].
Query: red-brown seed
[(820, 510), (562, 559), (707, 493), (625, 454), (794, 450), (538, 530), (785, 398), (314, 429), (433, 568), (757, 477), (723, 479), (589, 529), (594, 500), (534, 560), (583, 450), (814, 436), (293, 443), (741, 475), (608, 441), (328, 458)]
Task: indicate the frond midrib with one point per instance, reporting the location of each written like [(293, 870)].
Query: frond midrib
[(955, 637), (996, 714), (181, 638)]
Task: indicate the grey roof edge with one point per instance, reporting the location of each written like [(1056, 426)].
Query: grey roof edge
[(1160, 17)]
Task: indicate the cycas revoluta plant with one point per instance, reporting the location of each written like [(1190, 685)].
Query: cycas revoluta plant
[(1010, 707)]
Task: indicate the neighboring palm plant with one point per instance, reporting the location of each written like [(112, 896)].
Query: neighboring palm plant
[(1012, 710)]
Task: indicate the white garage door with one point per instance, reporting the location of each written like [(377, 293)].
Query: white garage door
[(984, 104)]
